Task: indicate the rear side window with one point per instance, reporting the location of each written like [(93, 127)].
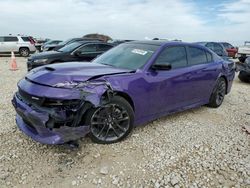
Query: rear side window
[(210, 46), (26, 39), (217, 47), (1, 39), (103, 47), (227, 45), (197, 55), (176, 56), (10, 39)]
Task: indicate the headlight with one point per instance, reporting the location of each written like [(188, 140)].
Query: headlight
[(41, 61)]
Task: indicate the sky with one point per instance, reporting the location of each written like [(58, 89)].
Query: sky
[(187, 20)]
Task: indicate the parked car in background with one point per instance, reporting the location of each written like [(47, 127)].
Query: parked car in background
[(69, 41), (117, 42), (76, 51), (129, 85), (216, 47), (39, 43), (231, 50), (22, 45), (244, 69), (244, 51), (50, 45)]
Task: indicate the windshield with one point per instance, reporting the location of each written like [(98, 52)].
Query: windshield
[(64, 42), (70, 47), (227, 45), (127, 56)]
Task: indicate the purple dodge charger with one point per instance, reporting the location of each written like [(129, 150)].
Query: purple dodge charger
[(127, 86)]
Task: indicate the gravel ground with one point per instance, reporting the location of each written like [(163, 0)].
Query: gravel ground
[(202, 147)]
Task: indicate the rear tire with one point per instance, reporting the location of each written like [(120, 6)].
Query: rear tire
[(218, 94), (244, 76), (24, 52), (111, 122)]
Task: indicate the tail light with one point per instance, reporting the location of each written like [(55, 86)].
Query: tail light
[(32, 41)]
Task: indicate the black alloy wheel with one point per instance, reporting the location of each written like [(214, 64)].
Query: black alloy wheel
[(111, 122), (218, 94)]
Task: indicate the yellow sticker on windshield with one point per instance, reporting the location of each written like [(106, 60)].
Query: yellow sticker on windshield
[(139, 51)]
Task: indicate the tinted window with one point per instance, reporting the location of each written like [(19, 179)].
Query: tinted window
[(10, 39), (26, 39), (210, 46), (176, 56), (217, 47), (70, 47), (209, 57), (89, 48), (227, 45), (1, 39), (65, 42), (197, 55), (103, 47)]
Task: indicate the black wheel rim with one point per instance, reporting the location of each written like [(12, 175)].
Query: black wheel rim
[(110, 122), (221, 91)]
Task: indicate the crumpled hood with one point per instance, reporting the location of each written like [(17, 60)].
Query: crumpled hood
[(70, 72)]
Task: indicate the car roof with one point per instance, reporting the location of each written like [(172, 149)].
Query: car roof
[(164, 42), (203, 43), (151, 42), (92, 41)]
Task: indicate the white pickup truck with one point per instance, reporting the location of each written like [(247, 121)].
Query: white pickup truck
[(244, 51)]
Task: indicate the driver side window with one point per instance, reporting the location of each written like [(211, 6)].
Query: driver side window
[(89, 48), (175, 56)]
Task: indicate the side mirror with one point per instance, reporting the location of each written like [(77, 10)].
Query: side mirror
[(162, 66), (77, 53)]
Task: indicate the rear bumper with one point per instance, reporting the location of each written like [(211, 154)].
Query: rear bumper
[(32, 122)]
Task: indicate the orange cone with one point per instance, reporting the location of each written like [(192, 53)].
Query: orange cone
[(13, 62)]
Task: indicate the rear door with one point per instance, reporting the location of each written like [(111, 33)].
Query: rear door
[(202, 73), (10, 44)]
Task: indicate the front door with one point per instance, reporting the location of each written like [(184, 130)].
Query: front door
[(87, 52), (170, 90)]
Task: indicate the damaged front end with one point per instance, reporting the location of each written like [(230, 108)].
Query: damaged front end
[(55, 114)]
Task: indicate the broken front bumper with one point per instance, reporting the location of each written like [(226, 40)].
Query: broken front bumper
[(33, 122)]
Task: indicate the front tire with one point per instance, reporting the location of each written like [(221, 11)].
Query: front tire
[(111, 122), (24, 52), (218, 94)]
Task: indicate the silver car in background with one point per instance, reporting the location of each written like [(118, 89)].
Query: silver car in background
[(22, 45)]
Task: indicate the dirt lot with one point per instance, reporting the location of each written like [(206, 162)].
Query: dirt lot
[(202, 147)]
